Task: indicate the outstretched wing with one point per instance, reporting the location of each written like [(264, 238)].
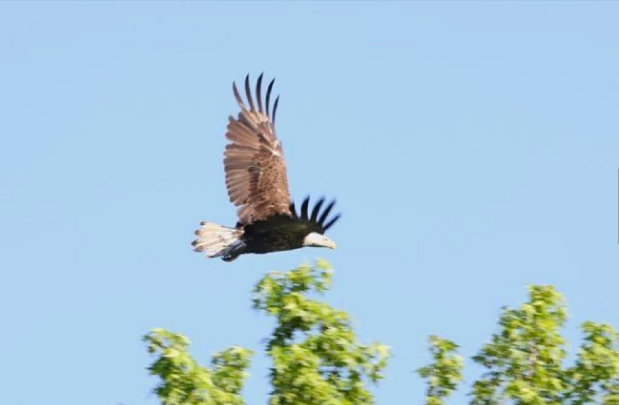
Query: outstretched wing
[(254, 160), (319, 223)]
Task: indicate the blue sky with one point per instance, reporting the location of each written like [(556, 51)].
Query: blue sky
[(473, 148)]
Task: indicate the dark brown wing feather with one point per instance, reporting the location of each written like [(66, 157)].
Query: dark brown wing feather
[(254, 160)]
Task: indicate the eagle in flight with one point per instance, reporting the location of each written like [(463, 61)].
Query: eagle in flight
[(257, 184)]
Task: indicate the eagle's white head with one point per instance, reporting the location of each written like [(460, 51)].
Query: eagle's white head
[(316, 239)]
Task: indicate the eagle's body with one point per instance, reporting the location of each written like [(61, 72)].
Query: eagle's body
[(257, 183), (276, 234)]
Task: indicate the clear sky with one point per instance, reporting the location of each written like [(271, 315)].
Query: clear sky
[(473, 148)]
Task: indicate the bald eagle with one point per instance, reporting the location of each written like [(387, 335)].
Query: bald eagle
[(257, 184)]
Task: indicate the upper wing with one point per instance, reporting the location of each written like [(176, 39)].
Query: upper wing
[(254, 160)]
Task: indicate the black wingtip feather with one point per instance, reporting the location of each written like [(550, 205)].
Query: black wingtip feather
[(316, 217), (259, 91), (293, 210), (269, 89), (325, 213), (248, 93), (304, 208), (275, 109), (316, 209), (330, 223), (237, 95)]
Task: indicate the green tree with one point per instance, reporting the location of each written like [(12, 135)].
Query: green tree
[(444, 373), (317, 358), (315, 353), (184, 382), (595, 376), (524, 360)]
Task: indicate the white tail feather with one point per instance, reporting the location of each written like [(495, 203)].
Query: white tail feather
[(216, 240)]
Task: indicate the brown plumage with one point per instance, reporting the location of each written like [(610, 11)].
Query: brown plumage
[(254, 160), (257, 184)]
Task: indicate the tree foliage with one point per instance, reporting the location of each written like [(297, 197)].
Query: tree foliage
[(444, 373), (317, 359), (316, 356), (524, 360), (315, 353), (184, 382), (595, 376)]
